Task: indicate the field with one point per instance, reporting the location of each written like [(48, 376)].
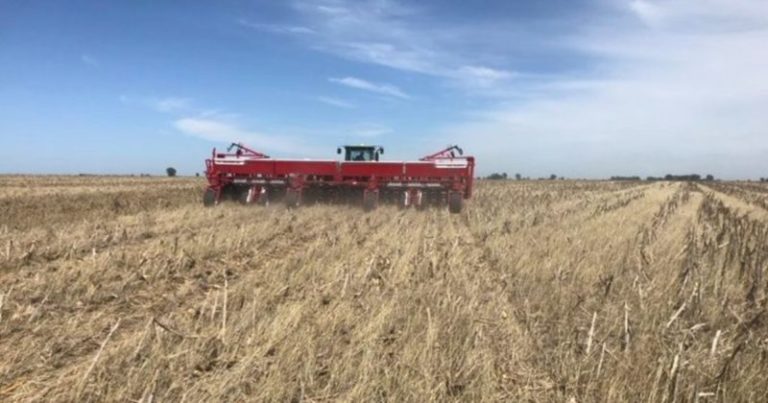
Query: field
[(127, 289)]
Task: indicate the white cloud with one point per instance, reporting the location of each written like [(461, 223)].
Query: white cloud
[(485, 73), (482, 77), (277, 28), (339, 103), (170, 104), (407, 58), (211, 130), (402, 37), (686, 91), (218, 114), (226, 132), (164, 104), (220, 126), (647, 11), (358, 83), (629, 87), (702, 15)]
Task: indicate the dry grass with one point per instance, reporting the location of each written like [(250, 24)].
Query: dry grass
[(538, 291)]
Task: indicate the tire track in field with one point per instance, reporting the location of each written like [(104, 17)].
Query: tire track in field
[(754, 211), (485, 215), (581, 248)]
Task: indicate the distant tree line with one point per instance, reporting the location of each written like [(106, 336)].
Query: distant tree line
[(667, 177), (686, 178), (504, 176), (497, 176)]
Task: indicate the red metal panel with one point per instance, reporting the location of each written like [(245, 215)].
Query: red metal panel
[(247, 167), (456, 173), (320, 168), (366, 169), (431, 169)]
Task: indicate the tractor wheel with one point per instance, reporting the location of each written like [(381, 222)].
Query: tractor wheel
[(230, 193), (242, 195), (209, 197), (455, 202), (370, 200), (292, 198)]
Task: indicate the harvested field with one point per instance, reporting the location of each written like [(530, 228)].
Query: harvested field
[(127, 289)]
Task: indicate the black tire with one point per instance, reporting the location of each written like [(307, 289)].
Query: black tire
[(230, 193), (209, 197), (370, 200), (292, 198), (242, 196), (455, 202)]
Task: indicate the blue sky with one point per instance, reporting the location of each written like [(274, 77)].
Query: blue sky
[(581, 88)]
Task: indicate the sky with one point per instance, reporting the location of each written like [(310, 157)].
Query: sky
[(578, 88)]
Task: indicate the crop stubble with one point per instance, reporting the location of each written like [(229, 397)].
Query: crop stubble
[(545, 290)]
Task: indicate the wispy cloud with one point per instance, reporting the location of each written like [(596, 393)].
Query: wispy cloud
[(225, 132), (701, 16), (277, 28), (213, 130), (630, 87), (218, 126), (170, 104), (647, 11), (396, 56), (339, 103), (379, 88), (89, 60), (395, 35), (218, 114), (681, 86), (160, 104), (483, 76)]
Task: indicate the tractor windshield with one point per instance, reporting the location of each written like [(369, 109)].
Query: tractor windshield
[(364, 154)]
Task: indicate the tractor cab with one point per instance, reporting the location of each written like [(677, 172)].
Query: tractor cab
[(361, 153)]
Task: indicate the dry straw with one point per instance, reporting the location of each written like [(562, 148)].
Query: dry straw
[(127, 289)]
